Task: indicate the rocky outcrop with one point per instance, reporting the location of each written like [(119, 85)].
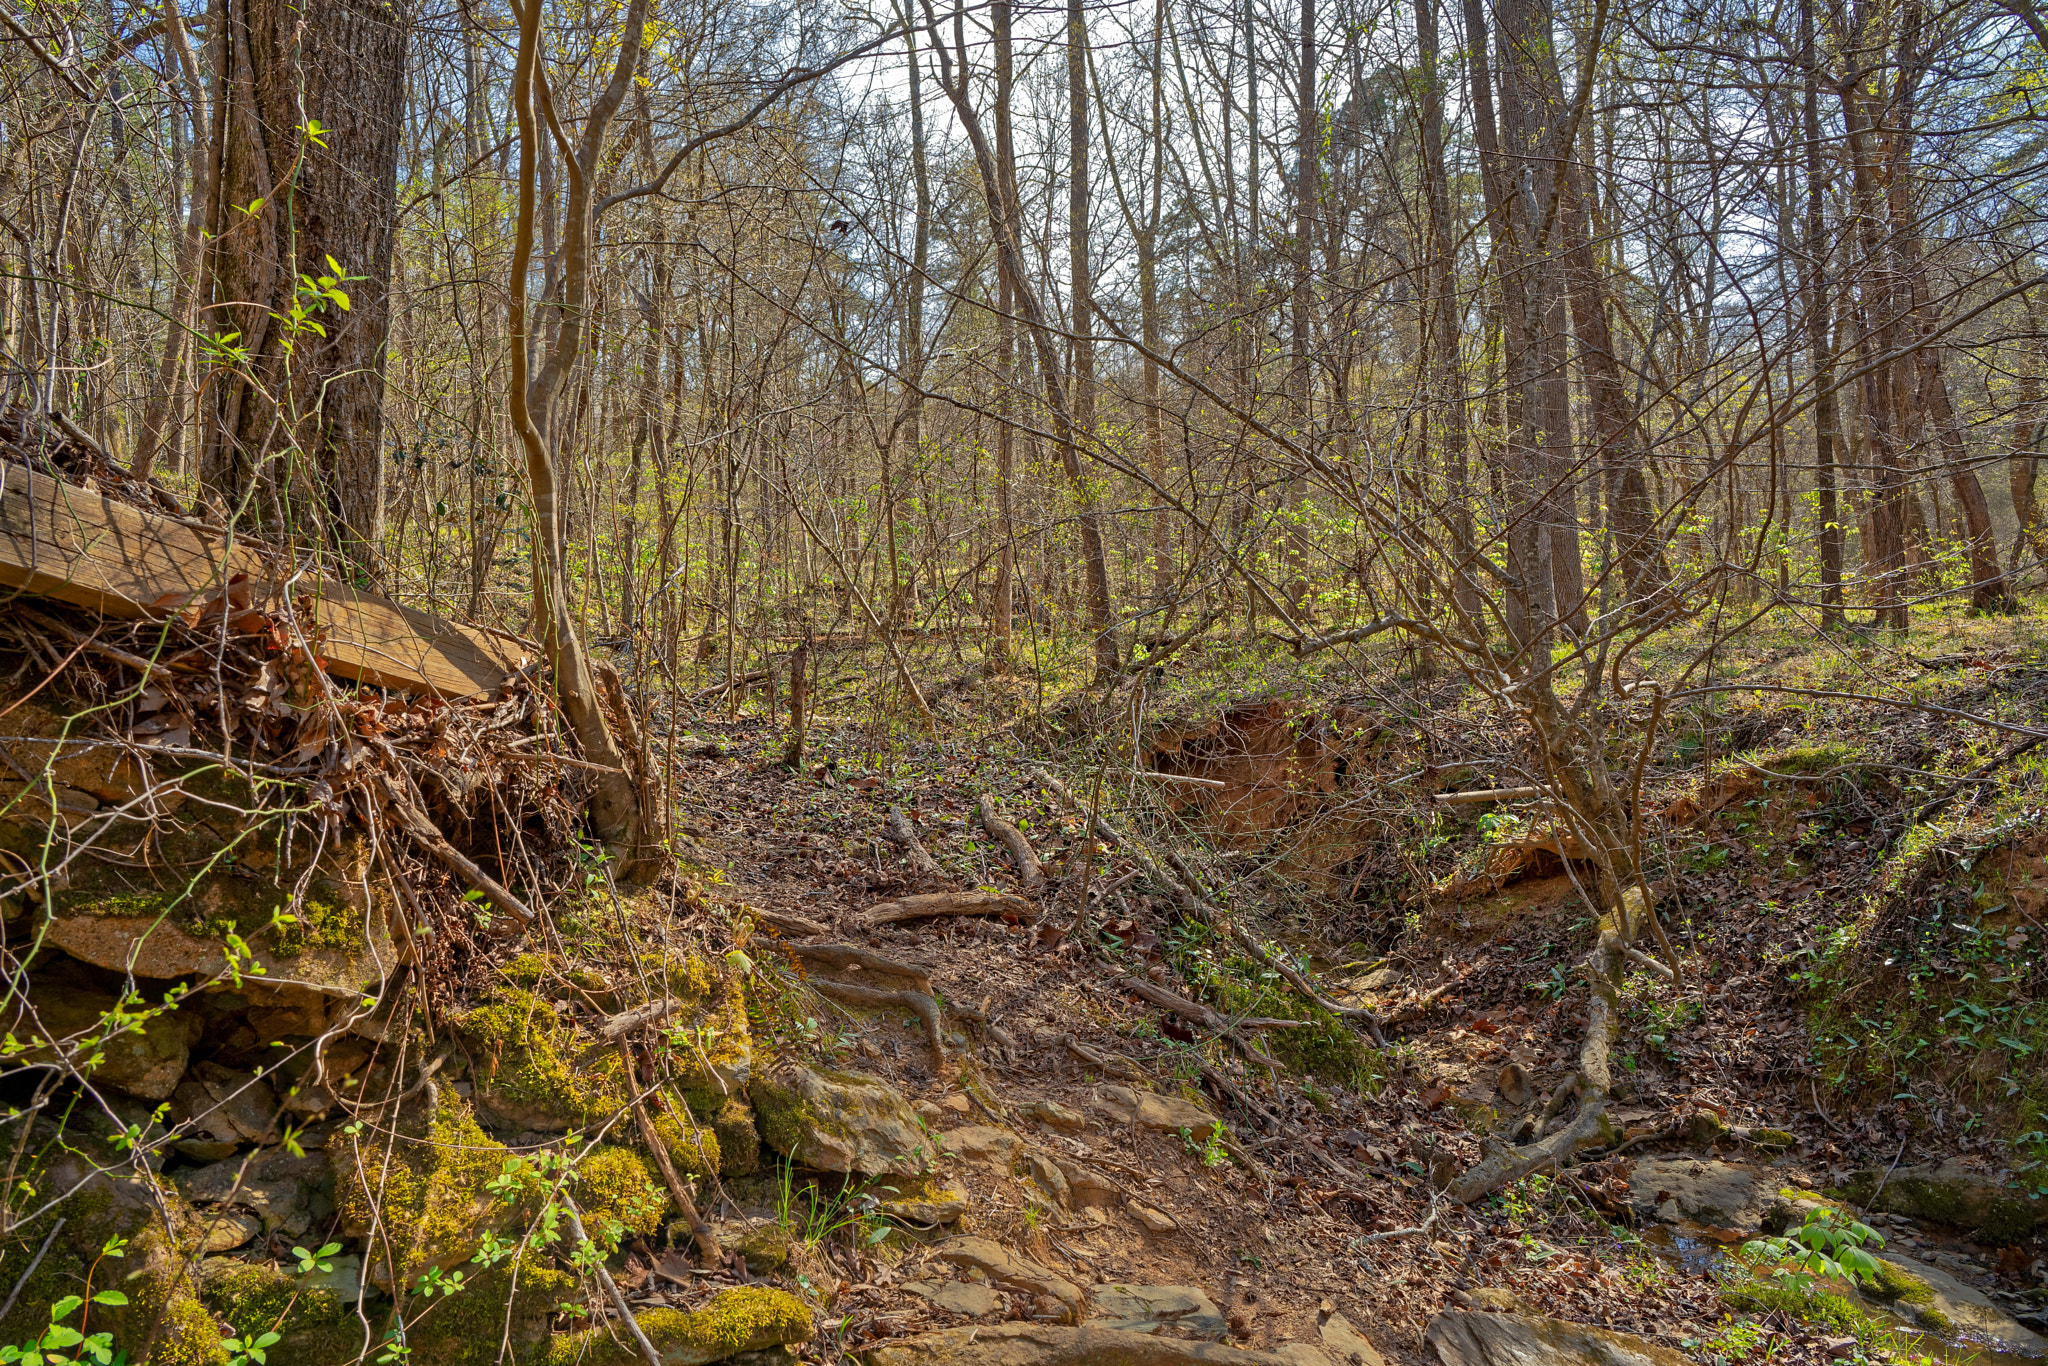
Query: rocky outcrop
[(839, 1122), (1947, 1306), (1044, 1344), (1471, 1338), (143, 1049), (286, 1194)]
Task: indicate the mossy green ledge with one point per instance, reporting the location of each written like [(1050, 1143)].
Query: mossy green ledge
[(749, 1319), (1951, 1193)]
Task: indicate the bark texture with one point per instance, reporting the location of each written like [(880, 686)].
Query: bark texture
[(306, 133)]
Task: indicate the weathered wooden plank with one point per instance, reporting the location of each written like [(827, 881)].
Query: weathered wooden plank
[(67, 543), (374, 640)]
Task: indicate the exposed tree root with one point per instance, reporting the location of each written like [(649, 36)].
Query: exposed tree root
[(897, 830), (950, 903), (852, 994), (1503, 1164), (1030, 873)]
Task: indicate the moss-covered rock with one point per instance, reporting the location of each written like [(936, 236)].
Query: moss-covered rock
[(739, 1141), (421, 1196), (1950, 1193), (314, 1326), (618, 1192), (745, 1320), (714, 1045), (694, 1149), (510, 1303), (1772, 1140), (113, 1238), (839, 1122), (1813, 1303), (529, 1068)]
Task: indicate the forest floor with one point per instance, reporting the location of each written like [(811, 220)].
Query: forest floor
[(1326, 1210)]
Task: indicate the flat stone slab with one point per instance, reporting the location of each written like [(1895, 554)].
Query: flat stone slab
[(998, 1263), (981, 1143), (1148, 1308), (1043, 1344), (1473, 1338), (1716, 1193), (1150, 1110), (959, 1297), (1956, 1310), (1346, 1345)]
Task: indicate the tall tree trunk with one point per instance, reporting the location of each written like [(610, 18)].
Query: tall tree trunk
[(1094, 554), (1148, 307), (1632, 517), (1300, 384), (2023, 465), (1002, 600), (306, 132), (1819, 310), (164, 410), (614, 808), (1446, 375)]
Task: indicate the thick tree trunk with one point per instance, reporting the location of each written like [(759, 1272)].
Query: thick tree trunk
[(1002, 599), (2022, 468), (306, 133)]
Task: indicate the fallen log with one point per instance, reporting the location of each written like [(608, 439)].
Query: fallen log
[(936, 904), (783, 920), (1492, 794)]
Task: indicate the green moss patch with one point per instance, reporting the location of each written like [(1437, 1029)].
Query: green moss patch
[(425, 1192), (744, 1320), (620, 1193), (314, 1327)]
